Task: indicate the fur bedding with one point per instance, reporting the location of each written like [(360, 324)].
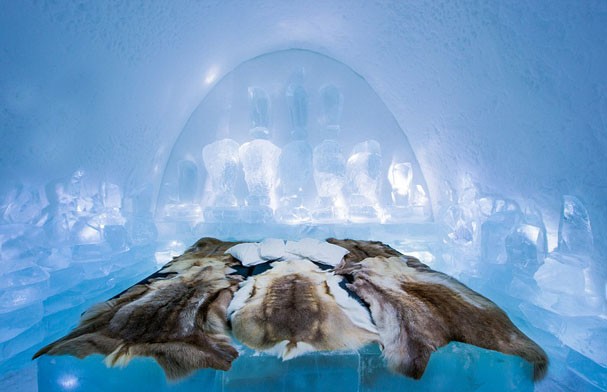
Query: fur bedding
[(185, 315)]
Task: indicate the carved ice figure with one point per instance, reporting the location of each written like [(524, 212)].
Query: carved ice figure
[(330, 177), (222, 162), (260, 113), (364, 172), (259, 159), (295, 164), (400, 175)]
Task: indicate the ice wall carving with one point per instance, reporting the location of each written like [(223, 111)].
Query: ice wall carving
[(315, 145)]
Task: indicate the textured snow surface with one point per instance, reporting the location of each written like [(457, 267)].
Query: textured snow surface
[(503, 104)]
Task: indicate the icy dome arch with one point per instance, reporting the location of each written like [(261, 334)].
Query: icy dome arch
[(508, 95), (308, 106)]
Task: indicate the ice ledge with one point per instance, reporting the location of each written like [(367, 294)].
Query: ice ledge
[(456, 366)]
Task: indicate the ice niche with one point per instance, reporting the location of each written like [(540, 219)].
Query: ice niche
[(290, 138), (295, 166)]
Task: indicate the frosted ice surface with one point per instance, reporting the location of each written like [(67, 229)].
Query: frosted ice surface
[(587, 336), (111, 195), (91, 251), (18, 297), (22, 342), (86, 232), (65, 278), (348, 371), (329, 169), (461, 229), (295, 167), (260, 113), (332, 101), (188, 181), (294, 173), (569, 286), (56, 259), (400, 175), (28, 274), (575, 233), (526, 247), (57, 225), (15, 322), (297, 101), (494, 232), (141, 230), (222, 162), (260, 164), (22, 205), (116, 237), (364, 170)]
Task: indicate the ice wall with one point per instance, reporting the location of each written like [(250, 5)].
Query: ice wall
[(504, 106), (511, 93)]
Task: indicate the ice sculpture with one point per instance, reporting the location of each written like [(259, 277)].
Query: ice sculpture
[(573, 262), (22, 205), (364, 172), (260, 113), (575, 233), (295, 164), (222, 162), (494, 231), (330, 177), (329, 162), (311, 181), (526, 245), (400, 175), (259, 159)]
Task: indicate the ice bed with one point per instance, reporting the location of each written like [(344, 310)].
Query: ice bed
[(469, 136)]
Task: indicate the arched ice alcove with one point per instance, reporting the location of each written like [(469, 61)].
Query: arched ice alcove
[(504, 106), (294, 100)]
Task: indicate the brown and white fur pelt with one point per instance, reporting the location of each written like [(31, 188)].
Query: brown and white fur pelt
[(177, 316), (417, 310), (295, 308)]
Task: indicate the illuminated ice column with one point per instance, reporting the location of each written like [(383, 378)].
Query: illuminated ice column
[(185, 206), (188, 181), (295, 165), (259, 159), (328, 161), (364, 174), (222, 162)]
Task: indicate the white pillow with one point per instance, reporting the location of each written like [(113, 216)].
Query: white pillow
[(272, 249), (247, 253), (315, 250)]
